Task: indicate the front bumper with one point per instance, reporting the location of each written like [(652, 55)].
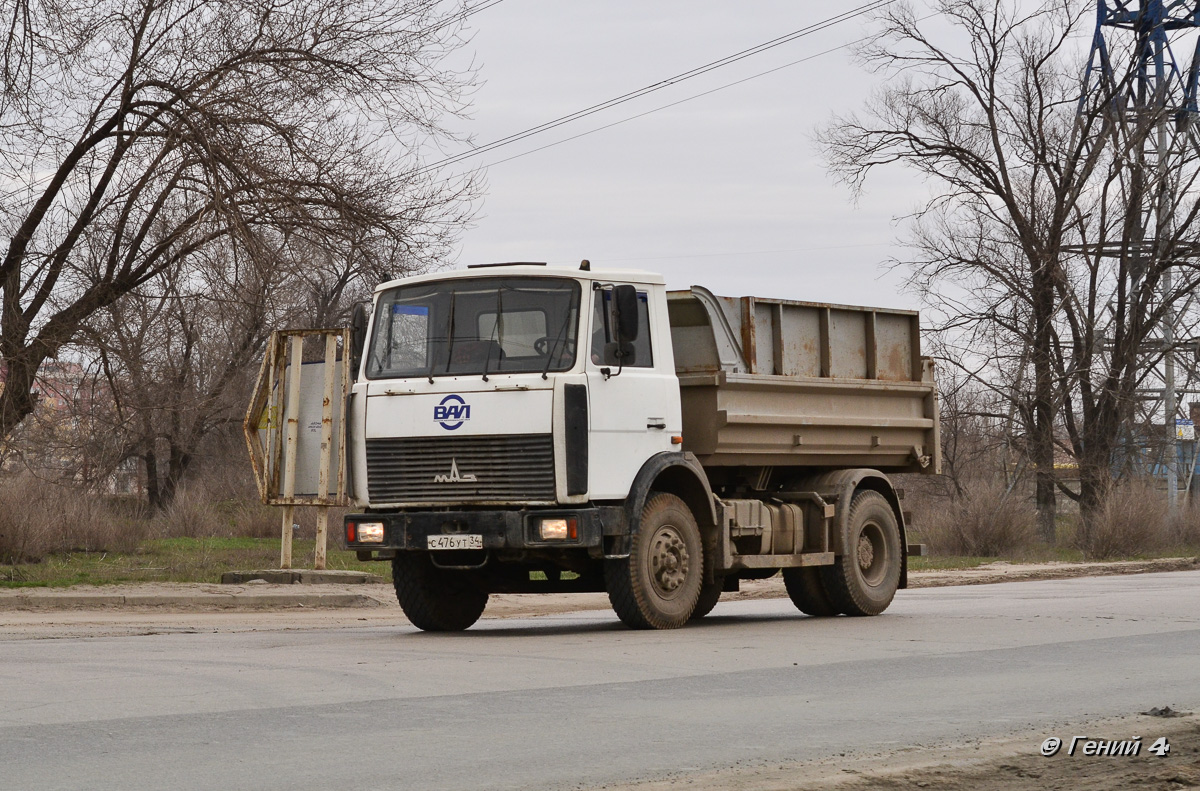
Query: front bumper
[(515, 529)]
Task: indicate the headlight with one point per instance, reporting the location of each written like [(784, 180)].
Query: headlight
[(365, 532), (557, 529)]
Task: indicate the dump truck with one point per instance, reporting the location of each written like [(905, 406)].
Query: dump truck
[(521, 428)]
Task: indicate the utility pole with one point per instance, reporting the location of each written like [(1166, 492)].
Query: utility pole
[(1162, 222)]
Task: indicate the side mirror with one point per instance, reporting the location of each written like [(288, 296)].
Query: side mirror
[(625, 306), (358, 337)]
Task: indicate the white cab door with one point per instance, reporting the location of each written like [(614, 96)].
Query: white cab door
[(633, 409)]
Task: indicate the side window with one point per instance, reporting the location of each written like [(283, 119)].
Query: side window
[(603, 331), (405, 346)]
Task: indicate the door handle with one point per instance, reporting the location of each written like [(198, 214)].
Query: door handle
[(656, 425)]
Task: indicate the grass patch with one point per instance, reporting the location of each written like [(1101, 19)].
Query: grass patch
[(172, 560)]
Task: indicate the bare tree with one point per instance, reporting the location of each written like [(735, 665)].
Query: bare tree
[(1007, 251), (176, 354), (179, 354), (137, 136)]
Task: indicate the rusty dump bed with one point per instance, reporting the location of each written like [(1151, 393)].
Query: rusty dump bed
[(774, 382)]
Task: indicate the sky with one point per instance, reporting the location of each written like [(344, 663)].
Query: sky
[(726, 190)]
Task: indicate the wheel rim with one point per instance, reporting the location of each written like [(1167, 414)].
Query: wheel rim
[(669, 561), (872, 553)]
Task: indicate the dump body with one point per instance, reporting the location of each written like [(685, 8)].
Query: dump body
[(780, 383)]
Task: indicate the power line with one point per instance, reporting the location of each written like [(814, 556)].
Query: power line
[(678, 102), (469, 11), (689, 98), (678, 78)]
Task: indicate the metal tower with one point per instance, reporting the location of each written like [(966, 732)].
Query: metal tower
[(1151, 99)]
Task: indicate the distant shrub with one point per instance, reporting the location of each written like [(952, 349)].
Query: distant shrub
[(1184, 529), (986, 521), (1133, 520), (25, 534), (191, 514), (38, 517), (252, 519)]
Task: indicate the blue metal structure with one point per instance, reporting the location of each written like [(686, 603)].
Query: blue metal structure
[(1146, 99), (1150, 76)]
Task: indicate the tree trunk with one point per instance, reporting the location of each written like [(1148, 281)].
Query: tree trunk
[(17, 401), (1095, 469), (153, 494), (177, 467), (1042, 445), (1047, 505), (1094, 483)]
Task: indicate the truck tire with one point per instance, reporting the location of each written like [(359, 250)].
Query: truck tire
[(657, 586), (710, 594), (434, 599), (864, 579), (807, 592)]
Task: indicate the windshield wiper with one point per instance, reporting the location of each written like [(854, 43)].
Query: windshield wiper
[(557, 342), (497, 330), (449, 335)]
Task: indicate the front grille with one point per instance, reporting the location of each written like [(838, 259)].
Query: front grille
[(515, 467)]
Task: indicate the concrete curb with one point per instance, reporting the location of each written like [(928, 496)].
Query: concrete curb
[(302, 576), (200, 601)]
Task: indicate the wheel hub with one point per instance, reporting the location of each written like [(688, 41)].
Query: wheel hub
[(866, 553), (669, 560)]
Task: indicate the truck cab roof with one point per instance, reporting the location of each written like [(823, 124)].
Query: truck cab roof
[(533, 270)]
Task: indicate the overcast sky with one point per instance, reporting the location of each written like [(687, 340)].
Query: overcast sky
[(726, 190)]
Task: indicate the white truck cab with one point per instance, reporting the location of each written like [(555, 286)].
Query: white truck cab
[(470, 380)]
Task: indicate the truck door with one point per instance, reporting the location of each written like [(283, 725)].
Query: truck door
[(633, 400)]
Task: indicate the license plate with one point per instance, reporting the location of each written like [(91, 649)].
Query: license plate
[(455, 542)]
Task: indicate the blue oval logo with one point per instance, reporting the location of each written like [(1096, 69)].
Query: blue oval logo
[(451, 412)]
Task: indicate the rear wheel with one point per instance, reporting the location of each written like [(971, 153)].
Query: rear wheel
[(807, 592), (658, 585), (864, 579), (435, 599)]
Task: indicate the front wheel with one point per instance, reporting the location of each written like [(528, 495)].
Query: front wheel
[(435, 599), (710, 594), (865, 577), (658, 585)]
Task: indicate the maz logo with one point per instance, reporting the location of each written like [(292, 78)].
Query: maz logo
[(454, 476), (452, 412)]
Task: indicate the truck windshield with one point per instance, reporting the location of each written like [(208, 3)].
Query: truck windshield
[(475, 326)]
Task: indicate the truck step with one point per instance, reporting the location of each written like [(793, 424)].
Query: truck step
[(783, 561)]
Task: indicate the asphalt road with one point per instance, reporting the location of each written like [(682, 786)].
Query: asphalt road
[(570, 701)]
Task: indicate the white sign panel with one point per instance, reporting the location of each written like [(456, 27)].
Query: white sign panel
[(308, 437)]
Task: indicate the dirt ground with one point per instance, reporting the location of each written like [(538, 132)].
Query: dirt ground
[(1012, 763)]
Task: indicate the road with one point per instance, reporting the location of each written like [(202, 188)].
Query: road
[(575, 700)]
